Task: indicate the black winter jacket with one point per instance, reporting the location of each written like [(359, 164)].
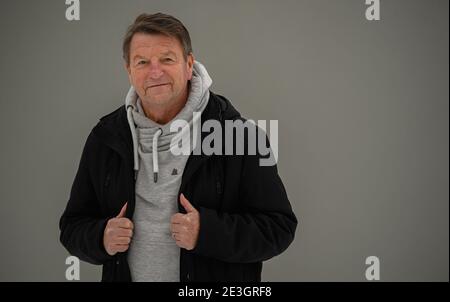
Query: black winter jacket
[(245, 214)]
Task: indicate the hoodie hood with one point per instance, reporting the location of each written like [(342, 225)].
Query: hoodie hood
[(149, 136)]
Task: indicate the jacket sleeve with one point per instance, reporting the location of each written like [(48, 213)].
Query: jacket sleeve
[(263, 227), (81, 224)]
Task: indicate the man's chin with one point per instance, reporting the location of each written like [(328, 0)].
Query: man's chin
[(157, 99)]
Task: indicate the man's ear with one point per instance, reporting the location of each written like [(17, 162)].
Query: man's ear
[(190, 64), (128, 69)]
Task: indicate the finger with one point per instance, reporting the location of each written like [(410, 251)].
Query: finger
[(121, 247), (186, 204), (122, 232), (123, 211), (177, 218), (180, 243), (178, 228), (174, 236), (122, 240), (125, 223)]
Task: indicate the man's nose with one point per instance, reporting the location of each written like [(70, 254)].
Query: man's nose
[(155, 71)]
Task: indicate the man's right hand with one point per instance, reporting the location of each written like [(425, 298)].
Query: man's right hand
[(118, 233)]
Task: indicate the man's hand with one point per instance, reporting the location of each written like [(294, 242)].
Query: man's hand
[(118, 233), (185, 227)]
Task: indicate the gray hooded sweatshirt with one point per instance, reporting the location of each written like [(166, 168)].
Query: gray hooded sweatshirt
[(153, 254)]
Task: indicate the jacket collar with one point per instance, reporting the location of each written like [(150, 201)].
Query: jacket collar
[(113, 130)]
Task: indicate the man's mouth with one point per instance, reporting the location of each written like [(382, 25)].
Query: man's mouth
[(157, 85)]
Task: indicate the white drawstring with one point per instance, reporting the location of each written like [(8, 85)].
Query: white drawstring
[(134, 137), (155, 154), (135, 146)]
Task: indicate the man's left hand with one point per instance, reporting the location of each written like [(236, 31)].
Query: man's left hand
[(185, 227)]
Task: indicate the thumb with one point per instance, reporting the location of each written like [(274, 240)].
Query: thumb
[(186, 204), (122, 211)]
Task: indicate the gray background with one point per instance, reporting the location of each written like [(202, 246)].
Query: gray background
[(363, 110)]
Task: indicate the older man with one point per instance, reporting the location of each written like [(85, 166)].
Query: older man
[(148, 214)]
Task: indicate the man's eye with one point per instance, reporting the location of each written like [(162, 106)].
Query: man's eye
[(141, 62), (168, 60)]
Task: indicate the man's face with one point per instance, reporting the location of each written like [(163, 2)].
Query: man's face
[(158, 70)]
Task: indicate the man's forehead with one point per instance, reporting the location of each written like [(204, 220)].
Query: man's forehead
[(160, 43), (145, 51)]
